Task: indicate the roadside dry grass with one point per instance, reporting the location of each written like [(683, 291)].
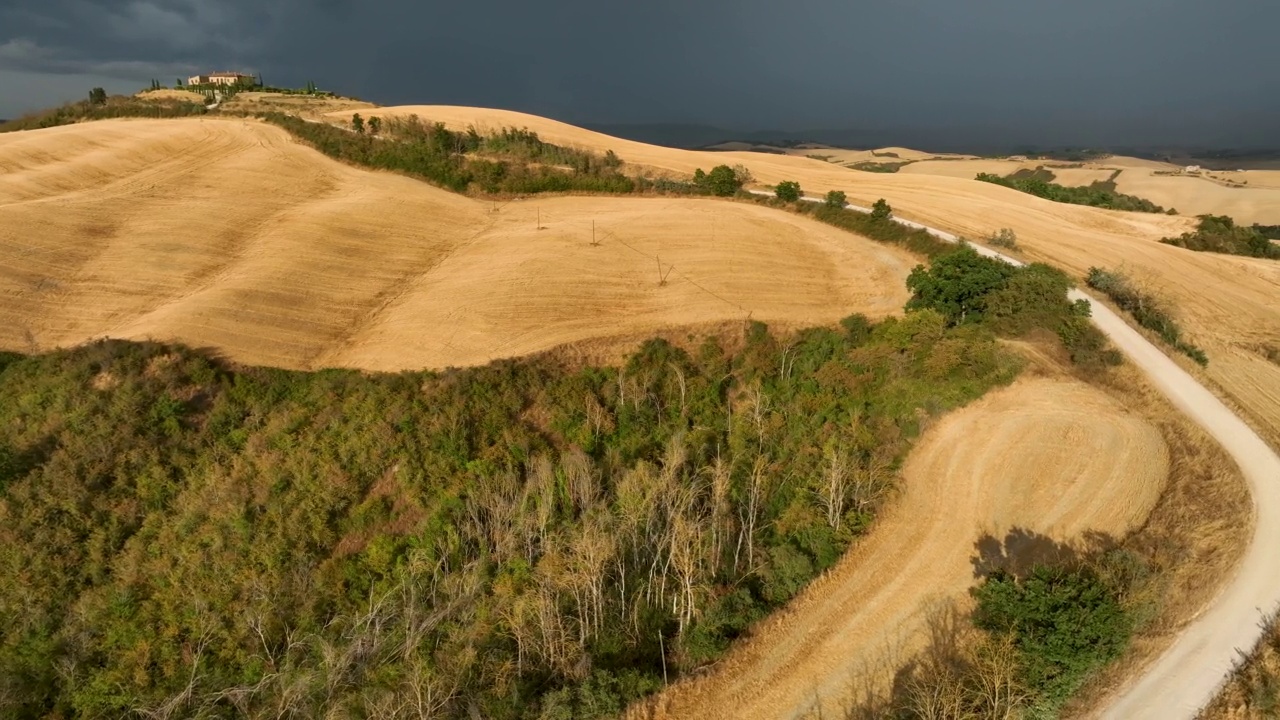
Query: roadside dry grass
[(1194, 537), (1253, 693)]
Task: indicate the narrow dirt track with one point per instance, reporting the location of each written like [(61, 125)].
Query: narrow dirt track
[(1052, 456)]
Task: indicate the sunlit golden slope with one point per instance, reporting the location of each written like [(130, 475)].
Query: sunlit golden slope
[(1229, 305), (228, 234)]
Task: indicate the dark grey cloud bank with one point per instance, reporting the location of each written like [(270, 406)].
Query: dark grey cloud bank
[(1138, 72)]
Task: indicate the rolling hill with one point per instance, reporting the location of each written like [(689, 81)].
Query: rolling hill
[(228, 234), (1226, 303)]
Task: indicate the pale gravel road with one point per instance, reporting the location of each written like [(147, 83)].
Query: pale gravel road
[(1191, 671)]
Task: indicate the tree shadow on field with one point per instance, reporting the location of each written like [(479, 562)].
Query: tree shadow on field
[(1021, 550)]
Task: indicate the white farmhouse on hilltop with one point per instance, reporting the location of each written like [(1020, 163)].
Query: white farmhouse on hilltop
[(223, 78)]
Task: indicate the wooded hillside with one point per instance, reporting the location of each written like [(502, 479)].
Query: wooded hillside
[(524, 539)]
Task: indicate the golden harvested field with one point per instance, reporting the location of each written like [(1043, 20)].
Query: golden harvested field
[(228, 234), (1256, 178), (1258, 202), (1124, 162), (1049, 455), (1228, 305), (170, 94), (302, 105)]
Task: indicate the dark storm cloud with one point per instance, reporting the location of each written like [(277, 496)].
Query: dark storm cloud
[(1092, 71)]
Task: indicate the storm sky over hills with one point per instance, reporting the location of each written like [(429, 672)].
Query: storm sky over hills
[(1091, 72)]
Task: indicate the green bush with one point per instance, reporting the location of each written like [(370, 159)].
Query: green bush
[(880, 210), (1004, 238), (958, 284), (788, 191), (722, 181), (1065, 621), (836, 200)]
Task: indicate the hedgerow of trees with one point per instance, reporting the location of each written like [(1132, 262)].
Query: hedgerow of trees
[(1095, 195), (511, 161), (869, 225), (1220, 234), (1148, 310)]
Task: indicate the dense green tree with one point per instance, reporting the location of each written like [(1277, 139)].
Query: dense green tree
[(836, 200), (722, 181), (880, 210), (357, 123), (375, 125), (98, 96), (959, 284), (1065, 621), (788, 191)]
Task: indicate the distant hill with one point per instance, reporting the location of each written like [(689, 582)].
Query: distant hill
[(693, 136), (688, 136)]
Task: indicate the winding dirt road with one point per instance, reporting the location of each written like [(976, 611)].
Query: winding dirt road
[(1192, 670)]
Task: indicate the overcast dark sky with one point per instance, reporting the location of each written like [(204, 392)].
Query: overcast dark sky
[(1081, 72)]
